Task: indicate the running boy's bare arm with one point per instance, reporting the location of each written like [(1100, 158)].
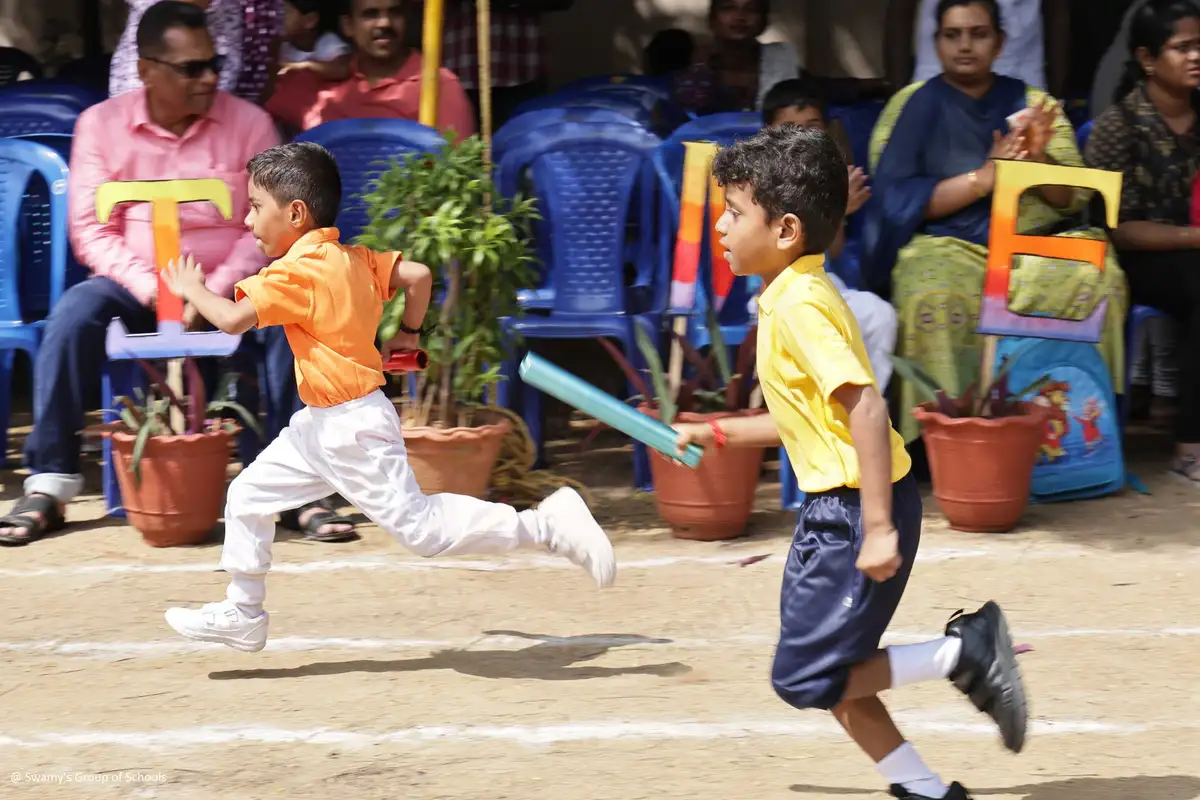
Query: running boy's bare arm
[(757, 431), (186, 280), (416, 281), (870, 430)]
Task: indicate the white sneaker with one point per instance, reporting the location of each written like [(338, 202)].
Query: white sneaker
[(575, 535), (223, 623)]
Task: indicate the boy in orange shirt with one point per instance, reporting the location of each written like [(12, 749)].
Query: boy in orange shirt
[(347, 439)]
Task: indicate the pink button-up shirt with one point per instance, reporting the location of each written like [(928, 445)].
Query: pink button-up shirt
[(305, 101), (116, 141)]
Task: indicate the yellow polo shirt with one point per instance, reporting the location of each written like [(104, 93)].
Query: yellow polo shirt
[(809, 345)]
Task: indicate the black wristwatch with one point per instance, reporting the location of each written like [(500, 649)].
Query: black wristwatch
[(412, 331)]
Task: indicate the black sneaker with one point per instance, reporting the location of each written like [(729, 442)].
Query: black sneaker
[(956, 792), (987, 671)]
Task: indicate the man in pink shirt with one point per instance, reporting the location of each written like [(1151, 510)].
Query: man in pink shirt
[(385, 80), (178, 126)]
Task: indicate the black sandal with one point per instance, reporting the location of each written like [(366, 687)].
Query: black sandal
[(325, 515), (52, 520)]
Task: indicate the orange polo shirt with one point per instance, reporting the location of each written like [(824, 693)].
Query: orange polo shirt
[(329, 299), (305, 101)]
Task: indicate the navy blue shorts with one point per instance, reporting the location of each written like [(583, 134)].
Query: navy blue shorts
[(831, 615)]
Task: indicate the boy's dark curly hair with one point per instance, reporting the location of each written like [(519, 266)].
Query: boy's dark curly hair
[(791, 170)]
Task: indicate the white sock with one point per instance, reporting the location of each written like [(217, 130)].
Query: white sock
[(904, 766), (246, 592), (926, 661)]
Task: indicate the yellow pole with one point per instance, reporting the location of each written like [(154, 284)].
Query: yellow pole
[(431, 61)]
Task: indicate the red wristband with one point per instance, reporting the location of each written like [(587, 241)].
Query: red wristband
[(719, 437)]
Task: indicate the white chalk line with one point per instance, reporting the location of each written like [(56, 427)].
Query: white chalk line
[(368, 564), (598, 731), (299, 644)]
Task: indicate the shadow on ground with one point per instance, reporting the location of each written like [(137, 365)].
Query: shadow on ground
[(551, 659), (1149, 787)]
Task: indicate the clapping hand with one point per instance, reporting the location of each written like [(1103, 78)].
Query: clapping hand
[(860, 192), (1037, 128)]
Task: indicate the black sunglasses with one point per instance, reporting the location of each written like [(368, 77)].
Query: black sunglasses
[(194, 69)]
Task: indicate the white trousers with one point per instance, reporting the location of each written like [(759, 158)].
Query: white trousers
[(357, 450)]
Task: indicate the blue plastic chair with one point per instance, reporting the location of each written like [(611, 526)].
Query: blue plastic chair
[(658, 87), (64, 92), (519, 126), (586, 176), (23, 114), (35, 234), (859, 120), (1138, 317), (512, 134), (634, 109), (19, 162), (363, 148)]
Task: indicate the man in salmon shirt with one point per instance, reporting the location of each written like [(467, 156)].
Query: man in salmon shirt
[(177, 125), (385, 79)]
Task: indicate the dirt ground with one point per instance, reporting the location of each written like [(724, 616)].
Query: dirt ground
[(514, 678)]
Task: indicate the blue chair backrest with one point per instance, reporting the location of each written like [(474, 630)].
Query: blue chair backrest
[(26, 114), (67, 93), (1082, 134), (364, 148), (20, 161), (585, 175), (517, 127), (659, 87), (35, 238), (634, 109), (859, 120)]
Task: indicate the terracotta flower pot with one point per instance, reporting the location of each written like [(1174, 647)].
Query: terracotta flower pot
[(982, 469), (455, 460), (182, 491), (713, 501)]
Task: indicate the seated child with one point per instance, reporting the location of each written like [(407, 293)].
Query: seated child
[(329, 298), (792, 102), (860, 523), (305, 47), (668, 52)]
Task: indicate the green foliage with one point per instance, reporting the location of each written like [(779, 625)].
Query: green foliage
[(715, 384), (442, 209), (994, 401)]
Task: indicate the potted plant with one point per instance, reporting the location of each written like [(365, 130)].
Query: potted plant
[(982, 443), (442, 209), (714, 500), (173, 479)]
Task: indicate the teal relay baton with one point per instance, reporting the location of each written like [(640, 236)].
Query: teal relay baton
[(541, 374)]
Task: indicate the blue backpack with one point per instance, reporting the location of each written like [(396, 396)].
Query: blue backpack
[(1081, 455)]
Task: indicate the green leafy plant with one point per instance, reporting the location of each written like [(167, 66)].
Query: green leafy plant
[(442, 209), (715, 385), (148, 414), (992, 400)]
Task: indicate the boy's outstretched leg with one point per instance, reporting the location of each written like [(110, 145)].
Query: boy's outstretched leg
[(278, 480), (376, 478)]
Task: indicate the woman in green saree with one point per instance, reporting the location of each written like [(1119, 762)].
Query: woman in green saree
[(933, 173)]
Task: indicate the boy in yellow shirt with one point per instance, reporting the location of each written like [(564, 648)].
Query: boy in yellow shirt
[(347, 439), (860, 523)]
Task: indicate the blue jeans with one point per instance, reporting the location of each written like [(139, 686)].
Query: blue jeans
[(68, 367)]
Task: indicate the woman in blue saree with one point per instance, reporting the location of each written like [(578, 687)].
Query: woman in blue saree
[(933, 173)]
